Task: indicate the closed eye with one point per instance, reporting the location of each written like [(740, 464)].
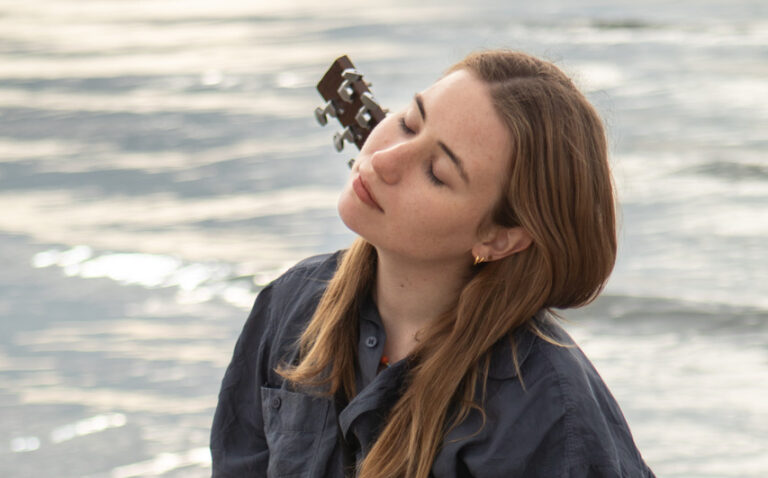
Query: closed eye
[(429, 165), (405, 127), (431, 175)]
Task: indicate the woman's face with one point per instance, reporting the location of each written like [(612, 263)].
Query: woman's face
[(429, 176)]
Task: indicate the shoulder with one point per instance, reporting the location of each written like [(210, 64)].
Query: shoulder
[(596, 434), (299, 287), (551, 362), (304, 282), (582, 394), (284, 307), (557, 414), (315, 271)]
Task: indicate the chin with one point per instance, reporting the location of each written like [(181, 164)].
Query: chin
[(349, 211)]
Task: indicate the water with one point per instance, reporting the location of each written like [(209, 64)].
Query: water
[(159, 162)]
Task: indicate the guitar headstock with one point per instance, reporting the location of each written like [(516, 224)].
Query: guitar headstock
[(349, 100)]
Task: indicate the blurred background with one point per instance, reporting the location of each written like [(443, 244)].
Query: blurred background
[(160, 162)]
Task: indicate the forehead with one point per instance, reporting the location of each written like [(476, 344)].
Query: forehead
[(460, 110)]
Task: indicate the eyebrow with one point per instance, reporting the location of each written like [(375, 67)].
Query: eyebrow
[(454, 158)]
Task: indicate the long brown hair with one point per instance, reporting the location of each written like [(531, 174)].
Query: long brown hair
[(560, 191)]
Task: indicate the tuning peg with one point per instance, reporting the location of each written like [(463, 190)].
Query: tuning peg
[(363, 117), (321, 112), (339, 138), (369, 101), (345, 90), (351, 74)]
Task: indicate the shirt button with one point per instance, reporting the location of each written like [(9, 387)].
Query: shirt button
[(275, 403), (371, 341)]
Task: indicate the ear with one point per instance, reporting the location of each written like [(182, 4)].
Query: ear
[(501, 242)]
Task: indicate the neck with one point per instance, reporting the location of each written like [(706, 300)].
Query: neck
[(410, 295)]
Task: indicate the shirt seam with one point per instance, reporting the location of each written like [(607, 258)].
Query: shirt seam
[(568, 408)]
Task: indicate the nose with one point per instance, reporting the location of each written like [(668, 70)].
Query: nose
[(390, 163)]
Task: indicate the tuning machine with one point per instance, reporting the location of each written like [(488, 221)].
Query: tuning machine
[(345, 135), (322, 112), (363, 116), (345, 90)]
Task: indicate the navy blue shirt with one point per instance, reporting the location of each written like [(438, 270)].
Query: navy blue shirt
[(563, 423)]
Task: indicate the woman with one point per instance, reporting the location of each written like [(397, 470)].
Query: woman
[(428, 348)]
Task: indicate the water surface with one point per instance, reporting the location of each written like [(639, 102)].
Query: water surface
[(159, 163)]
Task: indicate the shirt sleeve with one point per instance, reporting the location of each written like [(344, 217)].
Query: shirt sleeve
[(238, 445)]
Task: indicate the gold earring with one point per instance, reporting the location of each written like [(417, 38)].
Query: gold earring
[(479, 260)]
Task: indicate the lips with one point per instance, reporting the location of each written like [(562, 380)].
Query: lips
[(364, 193)]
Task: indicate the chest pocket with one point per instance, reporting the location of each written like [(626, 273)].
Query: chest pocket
[(293, 427)]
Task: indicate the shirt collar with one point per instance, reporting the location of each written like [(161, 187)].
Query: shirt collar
[(502, 363), (369, 311)]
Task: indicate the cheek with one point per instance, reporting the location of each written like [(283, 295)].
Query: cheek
[(440, 220)]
